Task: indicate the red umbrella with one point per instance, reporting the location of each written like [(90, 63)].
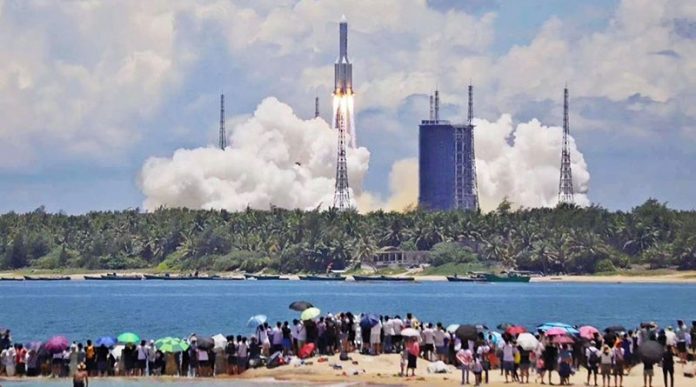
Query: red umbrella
[(563, 340), (57, 344), (588, 332), (516, 330)]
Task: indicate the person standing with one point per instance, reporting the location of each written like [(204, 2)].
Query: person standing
[(606, 360), (141, 353), (648, 372), (81, 377), (668, 366), (413, 349), (619, 363), (90, 358), (397, 325), (20, 360), (72, 362), (525, 364), (441, 349), (376, 338), (508, 360), (465, 358), (102, 357), (388, 328), (151, 353), (550, 358), (682, 333), (242, 355), (428, 342)]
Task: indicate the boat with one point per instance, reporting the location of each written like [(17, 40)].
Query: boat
[(220, 278), (155, 276), (507, 277), (114, 277), (11, 279), (261, 277), (322, 278), (382, 278), (29, 278)]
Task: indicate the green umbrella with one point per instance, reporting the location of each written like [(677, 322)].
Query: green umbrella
[(171, 344), (128, 338), (310, 314)]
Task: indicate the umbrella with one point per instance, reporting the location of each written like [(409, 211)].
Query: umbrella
[(555, 325), (556, 332), (452, 327), (300, 306), (171, 344), (566, 330), (527, 341), (466, 332), (117, 351), (205, 343), (128, 338), (409, 332), (57, 344), (220, 341), (257, 320), (481, 327), (310, 314), (106, 341), (496, 338), (504, 326), (515, 330), (368, 321), (563, 340), (588, 332), (615, 328), (651, 351)]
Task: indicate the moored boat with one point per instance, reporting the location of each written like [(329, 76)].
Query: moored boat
[(113, 277), (262, 277), (11, 279), (382, 278), (30, 278), (322, 278), (507, 277)]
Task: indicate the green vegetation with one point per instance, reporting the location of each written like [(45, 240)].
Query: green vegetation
[(565, 239)]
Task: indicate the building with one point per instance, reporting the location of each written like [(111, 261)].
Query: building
[(393, 257), (446, 162)]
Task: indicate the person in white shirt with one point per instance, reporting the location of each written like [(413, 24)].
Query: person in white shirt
[(151, 352), (388, 329), (262, 337), (242, 355), (482, 354), (428, 342), (439, 340), (508, 359), (375, 338), (592, 356), (141, 351), (397, 339)]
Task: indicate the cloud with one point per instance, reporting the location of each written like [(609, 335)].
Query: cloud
[(274, 158)]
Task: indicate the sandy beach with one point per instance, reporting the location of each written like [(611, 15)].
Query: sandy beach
[(676, 277)]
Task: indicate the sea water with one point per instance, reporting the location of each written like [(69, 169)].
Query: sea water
[(90, 309)]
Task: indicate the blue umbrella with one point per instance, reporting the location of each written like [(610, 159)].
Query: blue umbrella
[(566, 327), (496, 338), (106, 341), (368, 321), (257, 320)]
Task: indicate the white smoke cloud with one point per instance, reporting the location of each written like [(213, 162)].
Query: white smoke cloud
[(520, 163), (274, 158)]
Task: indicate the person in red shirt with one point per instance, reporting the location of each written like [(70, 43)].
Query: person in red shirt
[(413, 349), (20, 358)]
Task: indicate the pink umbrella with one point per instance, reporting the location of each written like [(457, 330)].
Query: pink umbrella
[(556, 332), (563, 340), (588, 332), (57, 344)]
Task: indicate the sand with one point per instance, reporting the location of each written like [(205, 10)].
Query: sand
[(384, 369)]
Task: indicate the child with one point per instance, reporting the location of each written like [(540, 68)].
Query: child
[(540, 368), (404, 361), (477, 368), (564, 371)]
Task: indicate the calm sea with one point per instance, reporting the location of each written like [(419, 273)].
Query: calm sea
[(89, 309)]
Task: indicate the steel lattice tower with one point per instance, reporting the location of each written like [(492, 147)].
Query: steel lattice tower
[(473, 189), (465, 187), (316, 107), (565, 185), (223, 135), (342, 192)]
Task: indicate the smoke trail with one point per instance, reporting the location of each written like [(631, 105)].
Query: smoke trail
[(274, 158)]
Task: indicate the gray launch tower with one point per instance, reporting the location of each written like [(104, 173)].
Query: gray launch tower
[(342, 116), (565, 185)]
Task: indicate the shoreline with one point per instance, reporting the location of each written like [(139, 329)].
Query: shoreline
[(686, 277)]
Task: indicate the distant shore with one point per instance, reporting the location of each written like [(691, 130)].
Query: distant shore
[(675, 277)]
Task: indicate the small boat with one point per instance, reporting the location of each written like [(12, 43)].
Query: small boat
[(322, 278), (114, 277), (155, 277), (219, 278), (507, 277), (382, 278), (264, 277), (29, 278), (11, 279)]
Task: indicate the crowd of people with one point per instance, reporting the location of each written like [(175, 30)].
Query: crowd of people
[(475, 349)]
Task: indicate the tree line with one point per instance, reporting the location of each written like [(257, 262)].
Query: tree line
[(565, 239)]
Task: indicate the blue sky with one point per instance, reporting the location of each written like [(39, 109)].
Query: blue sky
[(90, 91)]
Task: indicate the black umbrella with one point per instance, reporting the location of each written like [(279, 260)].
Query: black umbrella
[(615, 328), (205, 343), (651, 351), (467, 332), (300, 306)]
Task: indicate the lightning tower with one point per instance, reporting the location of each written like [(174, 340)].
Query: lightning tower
[(565, 186), (223, 135), (343, 117)]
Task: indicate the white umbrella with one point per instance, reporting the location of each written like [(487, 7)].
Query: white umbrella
[(410, 332), (220, 341), (117, 350), (452, 328), (527, 341)]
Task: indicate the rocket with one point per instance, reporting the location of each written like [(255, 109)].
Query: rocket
[(343, 70)]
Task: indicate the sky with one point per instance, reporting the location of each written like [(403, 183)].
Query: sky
[(93, 93)]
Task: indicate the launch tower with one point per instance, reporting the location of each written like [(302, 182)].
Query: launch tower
[(565, 185)]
